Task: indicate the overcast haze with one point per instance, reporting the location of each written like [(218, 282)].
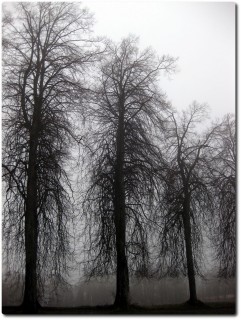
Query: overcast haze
[(201, 35)]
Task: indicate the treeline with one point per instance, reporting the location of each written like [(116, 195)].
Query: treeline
[(155, 180)]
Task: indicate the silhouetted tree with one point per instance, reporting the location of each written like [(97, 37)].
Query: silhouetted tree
[(222, 170), (43, 85), (126, 109), (186, 198)]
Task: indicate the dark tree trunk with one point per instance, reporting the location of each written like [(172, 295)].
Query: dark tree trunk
[(189, 254), (122, 274), (30, 303)]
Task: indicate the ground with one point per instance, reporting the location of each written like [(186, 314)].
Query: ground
[(181, 309)]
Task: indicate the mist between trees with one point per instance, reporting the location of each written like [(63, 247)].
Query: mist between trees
[(143, 291), (100, 173)]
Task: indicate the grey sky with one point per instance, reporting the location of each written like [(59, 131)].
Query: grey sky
[(201, 35)]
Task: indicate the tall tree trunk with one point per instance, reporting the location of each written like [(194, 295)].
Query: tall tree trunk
[(30, 303), (122, 274), (189, 254)]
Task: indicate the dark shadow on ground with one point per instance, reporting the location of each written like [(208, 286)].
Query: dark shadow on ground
[(210, 308)]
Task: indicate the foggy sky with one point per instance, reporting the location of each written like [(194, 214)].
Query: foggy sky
[(201, 35)]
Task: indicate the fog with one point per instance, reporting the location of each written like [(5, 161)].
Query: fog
[(200, 39), (200, 34), (144, 292)]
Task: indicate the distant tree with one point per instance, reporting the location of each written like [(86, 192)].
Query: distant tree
[(42, 87), (6, 21), (222, 170), (186, 198), (126, 109)]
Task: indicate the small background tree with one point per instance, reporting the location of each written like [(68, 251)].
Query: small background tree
[(222, 171), (186, 200)]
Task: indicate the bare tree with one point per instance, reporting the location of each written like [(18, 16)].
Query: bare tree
[(43, 83), (222, 170), (126, 109), (186, 198)]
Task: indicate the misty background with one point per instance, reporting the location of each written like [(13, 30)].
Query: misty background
[(202, 37)]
